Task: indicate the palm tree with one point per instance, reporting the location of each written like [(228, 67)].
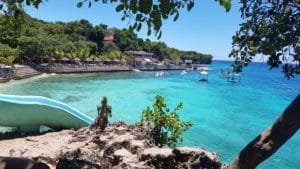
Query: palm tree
[(58, 55), (84, 53), (93, 57), (72, 56)]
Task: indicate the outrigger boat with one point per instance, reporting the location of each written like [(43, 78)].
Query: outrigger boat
[(203, 76), (203, 68), (234, 78), (224, 73), (157, 74), (183, 72)]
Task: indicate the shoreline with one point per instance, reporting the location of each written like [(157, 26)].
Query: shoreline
[(40, 70), (105, 68)]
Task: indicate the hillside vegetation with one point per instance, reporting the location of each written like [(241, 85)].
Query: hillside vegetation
[(31, 40)]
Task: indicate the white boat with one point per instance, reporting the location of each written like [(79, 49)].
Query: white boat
[(189, 68), (203, 76), (136, 70), (203, 68), (234, 78), (161, 73), (224, 73), (183, 72)]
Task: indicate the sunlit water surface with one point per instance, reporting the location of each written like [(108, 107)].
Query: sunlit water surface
[(225, 116)]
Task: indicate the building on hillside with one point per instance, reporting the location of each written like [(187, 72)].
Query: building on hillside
[(140, 54), (167, 62), (177, 62), (188, 61), (109, 38), (141, 57), (155, 61)]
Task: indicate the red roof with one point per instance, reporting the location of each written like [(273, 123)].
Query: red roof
[(109, 38)]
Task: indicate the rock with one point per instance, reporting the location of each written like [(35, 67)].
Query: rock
[(118, 146), (76, 164), (21, 163), (183, 157)]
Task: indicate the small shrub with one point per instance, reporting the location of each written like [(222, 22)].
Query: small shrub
[(167, 126)]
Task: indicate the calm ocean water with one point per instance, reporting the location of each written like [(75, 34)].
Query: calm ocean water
[(225, 116)]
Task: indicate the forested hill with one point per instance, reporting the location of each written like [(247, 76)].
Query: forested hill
[(29, 39)]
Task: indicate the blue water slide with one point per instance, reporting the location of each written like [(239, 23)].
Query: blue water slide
[(28, 113)]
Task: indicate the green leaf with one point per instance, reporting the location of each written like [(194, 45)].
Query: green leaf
[(159, 35), (139, 26), (119, 7), (79, 4), (190, 5), (227, 5), (176, 16), (149, 32)]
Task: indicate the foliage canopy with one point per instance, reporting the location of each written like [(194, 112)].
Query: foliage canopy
[(271, 28), (145, 12), (36, 40)]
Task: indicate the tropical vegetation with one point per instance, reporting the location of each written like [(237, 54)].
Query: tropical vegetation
[(38, 41), (167, 125), (270, 28)]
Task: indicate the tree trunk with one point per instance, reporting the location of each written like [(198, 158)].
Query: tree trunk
[(268, 142)]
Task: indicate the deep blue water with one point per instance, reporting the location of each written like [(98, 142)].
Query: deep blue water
[(225, 116)]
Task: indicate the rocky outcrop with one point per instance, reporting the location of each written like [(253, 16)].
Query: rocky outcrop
[(131, 147), (118, 146)]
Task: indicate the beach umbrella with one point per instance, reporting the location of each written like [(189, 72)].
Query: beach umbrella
[(77, 59), (65, 59), (88, 60), (98, 60)]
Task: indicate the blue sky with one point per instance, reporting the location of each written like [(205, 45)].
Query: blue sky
[(206, 29)]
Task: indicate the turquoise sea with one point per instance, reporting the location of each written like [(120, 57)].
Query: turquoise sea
[(225, 116)]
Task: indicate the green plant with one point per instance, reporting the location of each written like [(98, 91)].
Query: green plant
[(1, 59), (9, 61), (167, 126)]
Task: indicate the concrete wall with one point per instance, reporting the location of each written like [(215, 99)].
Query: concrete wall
[(66, 68)]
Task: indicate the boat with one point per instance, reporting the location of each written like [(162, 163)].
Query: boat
[(136, 70), (224, 73), (161, 73), (203, 76), (234, 78), (28, 113), (203, 68), (189, 68), (183, 72)]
